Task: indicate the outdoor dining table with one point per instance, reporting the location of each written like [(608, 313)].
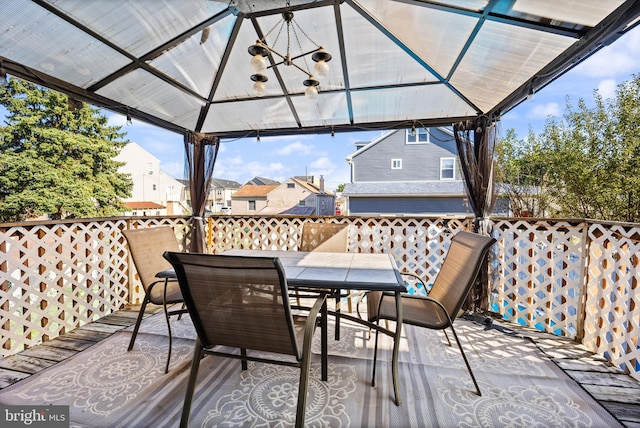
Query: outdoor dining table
[(332, 272)]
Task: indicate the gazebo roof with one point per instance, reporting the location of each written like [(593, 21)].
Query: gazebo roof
[(184, 65)]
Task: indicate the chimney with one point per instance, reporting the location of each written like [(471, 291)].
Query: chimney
[(322, 183)]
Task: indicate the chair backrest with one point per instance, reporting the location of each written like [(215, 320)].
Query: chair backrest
[(459, 269), (237, 301), (327, 237), (146, 247)]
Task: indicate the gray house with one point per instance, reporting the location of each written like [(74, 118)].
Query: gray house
[(412, 172)]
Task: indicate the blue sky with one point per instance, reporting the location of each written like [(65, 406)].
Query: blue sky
[(279, 158)]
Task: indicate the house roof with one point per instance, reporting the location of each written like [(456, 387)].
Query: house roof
[(144, 205), (410, 188), (311, 187), (261, 181), (187, 68), (227, 184), (253, 190)]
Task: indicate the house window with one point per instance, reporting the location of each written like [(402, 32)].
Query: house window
[(420, 136), (219, 192), (302, 203), (154, 187), (447, 168), (291, 185), (396, 163), (252, 205)]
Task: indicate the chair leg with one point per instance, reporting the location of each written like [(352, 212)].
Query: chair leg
[(302, 389), (375, 357), (166, 315), (188, 397), (464, 357), (446, 336), (243, 362), (138, 321)]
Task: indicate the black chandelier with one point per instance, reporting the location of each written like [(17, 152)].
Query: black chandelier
[(261, 50)]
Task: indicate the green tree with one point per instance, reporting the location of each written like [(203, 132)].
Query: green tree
[(586, 165), (340, 187), (57, 160), (523, 172)]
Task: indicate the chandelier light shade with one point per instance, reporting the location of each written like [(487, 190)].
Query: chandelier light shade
[(261, 54)]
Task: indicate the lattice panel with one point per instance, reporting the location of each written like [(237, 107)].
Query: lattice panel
[(612, 308), (537, 274), (56, 277), (418, 245)]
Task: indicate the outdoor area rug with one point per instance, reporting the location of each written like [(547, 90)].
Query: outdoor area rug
[(106, 386)]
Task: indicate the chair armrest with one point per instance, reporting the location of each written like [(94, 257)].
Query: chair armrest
[(311, 324), (437, 304)]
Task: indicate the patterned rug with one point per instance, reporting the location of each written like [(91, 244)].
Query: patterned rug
[(106, 386)]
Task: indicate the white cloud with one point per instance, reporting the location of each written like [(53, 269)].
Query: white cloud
[(322, 165), (542, 111), (621, 58), (607, 88), (297, 148), (237, 169)]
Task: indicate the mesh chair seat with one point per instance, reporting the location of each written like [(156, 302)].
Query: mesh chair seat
[(146, 247), (174, 295), (243, 302), (440, 307)]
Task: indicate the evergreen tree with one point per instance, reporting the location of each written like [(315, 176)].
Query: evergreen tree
[(57, 160)]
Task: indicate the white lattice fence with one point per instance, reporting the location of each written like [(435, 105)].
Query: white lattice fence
[(418, 245), (538, 282), (612, 307), (56, 276)]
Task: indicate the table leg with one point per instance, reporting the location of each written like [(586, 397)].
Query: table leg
[(323, 341), (396, 348), (338, 304)]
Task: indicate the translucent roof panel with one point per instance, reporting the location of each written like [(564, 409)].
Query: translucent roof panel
[(147, 93), (407, 103), (45, 42), (387, 65), (495, 66), (197, 71), (329, 109), (139, 26), (439, 42), (256, 115), (586, 13), (184, 65)]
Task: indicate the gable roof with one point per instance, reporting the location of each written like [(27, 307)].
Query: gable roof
[(144, 205), (310, 187), (410, 188), (227, 184), (261, 181), (253, 190), (387, 135)]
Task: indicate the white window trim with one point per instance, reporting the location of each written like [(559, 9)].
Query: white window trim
[(393, 163), (408, 134), (442, 168)]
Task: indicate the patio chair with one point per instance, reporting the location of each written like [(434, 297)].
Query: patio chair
[(327, 237), (439, 307), (146, 247), (242, 302)]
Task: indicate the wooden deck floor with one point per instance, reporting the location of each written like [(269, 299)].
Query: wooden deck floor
[(616, 391)]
